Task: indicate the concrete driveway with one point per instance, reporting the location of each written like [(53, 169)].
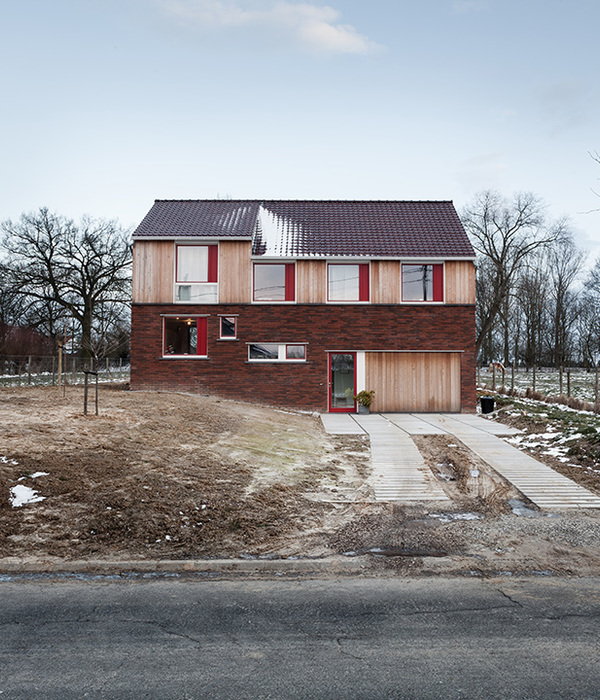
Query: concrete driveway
[(401, 475)]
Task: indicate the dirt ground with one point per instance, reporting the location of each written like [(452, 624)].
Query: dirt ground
[(177, 476)]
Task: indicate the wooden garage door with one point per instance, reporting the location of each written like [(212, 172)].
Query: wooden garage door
[(414, 381)]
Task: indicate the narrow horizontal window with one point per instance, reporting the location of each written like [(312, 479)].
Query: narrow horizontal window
[(277, 352), (264, 351)]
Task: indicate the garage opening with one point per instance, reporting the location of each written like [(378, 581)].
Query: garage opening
[(408, 382)]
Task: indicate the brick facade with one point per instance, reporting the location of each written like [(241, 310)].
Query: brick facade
[(227, 372)]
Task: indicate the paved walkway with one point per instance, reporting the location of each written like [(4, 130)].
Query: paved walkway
[(399, 470), (400, 473)]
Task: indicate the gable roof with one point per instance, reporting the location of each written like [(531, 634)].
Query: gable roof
[(315, 228)]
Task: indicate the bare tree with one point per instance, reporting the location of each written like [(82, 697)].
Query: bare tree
[(504, 233), (61, 269), (564, 261)]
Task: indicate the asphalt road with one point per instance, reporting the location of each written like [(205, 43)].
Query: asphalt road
[(344, 638)]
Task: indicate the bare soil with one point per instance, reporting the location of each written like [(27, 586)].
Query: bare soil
[(177, 476)]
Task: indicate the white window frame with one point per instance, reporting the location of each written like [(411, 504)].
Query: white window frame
[(281, 353)]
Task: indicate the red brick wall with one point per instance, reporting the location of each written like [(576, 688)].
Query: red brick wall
[(228, 373)]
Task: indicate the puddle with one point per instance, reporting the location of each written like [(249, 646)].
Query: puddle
[(519, 508)]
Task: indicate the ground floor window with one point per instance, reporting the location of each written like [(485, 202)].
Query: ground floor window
[(277, 352), (185, 336), (228, 328)]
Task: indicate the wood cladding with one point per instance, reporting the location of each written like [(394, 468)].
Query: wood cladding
[(385, 282), (460, 282), (414, 381), (153, 263), (311, 282), (235, 272)]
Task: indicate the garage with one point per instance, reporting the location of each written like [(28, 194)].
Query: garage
[(414, 381)]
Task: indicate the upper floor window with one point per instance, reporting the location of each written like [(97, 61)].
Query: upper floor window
[(196, 273), (423, 282), (348, 282), (274, 282)]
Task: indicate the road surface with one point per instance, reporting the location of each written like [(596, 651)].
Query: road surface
[(326, 639)]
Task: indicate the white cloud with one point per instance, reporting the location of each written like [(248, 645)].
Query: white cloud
[(314, 27)]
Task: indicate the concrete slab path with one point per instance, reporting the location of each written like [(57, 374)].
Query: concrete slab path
[(399, 470), (541, 484), (400, 473)]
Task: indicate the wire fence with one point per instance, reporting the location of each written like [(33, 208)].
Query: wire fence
[(23, 370)]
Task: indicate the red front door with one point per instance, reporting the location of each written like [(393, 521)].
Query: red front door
[(342, 382)]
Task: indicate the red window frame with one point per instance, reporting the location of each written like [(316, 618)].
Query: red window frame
[(347, 409), (202, 336), (212, 267), (363, 282), (438, 284), (289, 282), (295, 345)]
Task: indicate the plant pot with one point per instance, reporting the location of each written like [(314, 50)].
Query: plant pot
[(364, 410)]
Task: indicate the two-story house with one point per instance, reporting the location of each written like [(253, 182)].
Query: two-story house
[(304, 303)]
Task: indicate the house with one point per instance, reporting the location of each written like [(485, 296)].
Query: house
[(304, 303)]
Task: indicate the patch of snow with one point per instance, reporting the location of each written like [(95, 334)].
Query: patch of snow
[(448, 517), (474, 472), (452, 445), (35, 475), (6, 460), (21, 495)]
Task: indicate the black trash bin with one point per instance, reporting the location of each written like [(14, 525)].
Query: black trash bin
[(487, 404)]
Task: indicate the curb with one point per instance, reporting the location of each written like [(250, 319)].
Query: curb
[(329, 565)]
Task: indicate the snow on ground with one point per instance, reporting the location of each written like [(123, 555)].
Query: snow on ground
[(21, 495)]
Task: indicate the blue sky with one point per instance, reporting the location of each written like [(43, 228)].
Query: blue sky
[(109, 104)]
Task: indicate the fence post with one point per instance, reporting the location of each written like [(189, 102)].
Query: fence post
[(85, 393), (493, 377), (512, 377), (533, 376), (596, 390), (568, 382), (29, 370), (560, 380), (53, 377)]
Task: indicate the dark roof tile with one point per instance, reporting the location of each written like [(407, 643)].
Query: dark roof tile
[(294, 228)]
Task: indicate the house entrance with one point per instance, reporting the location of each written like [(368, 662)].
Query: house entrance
[(342, 381)]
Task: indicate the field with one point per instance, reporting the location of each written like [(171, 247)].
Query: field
[(582, 384), (176, 476)]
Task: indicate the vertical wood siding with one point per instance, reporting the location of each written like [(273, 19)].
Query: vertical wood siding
[(153, 272), (385, 282), (311, 281), (235, 272), (414, 381), (460, 282)]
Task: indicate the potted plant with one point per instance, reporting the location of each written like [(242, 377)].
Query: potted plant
[(364, 399)]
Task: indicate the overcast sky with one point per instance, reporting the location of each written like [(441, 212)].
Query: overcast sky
[(110, 104)]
